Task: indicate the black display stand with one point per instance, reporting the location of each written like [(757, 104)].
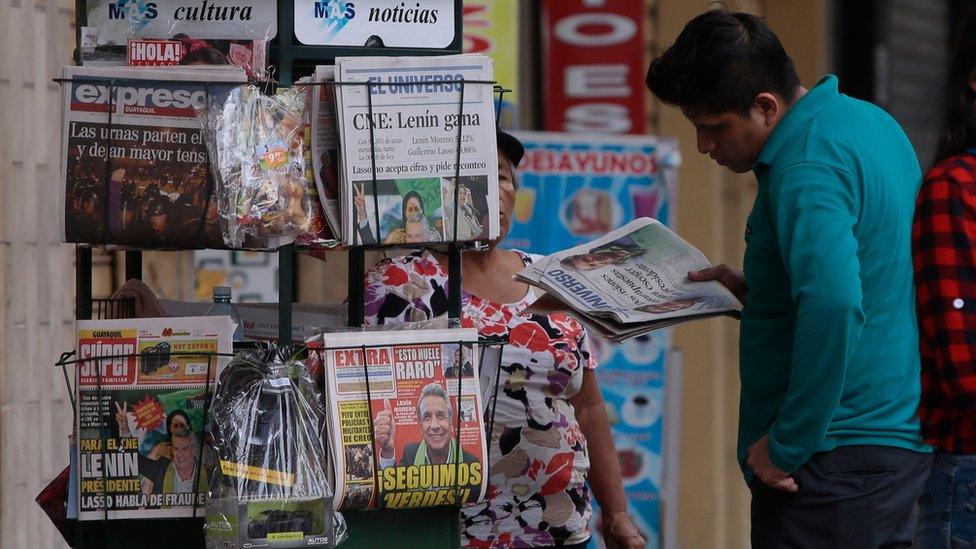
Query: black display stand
[(430, 527)]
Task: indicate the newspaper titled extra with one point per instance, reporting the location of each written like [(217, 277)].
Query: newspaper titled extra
[(417, 439), (422, 111), (140, 402), (630, 281), (138, 175)]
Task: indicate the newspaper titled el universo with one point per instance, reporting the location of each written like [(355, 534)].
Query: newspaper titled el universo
[(634, 274), (417, 439), (431, 123), (140, 393), (133, 160)]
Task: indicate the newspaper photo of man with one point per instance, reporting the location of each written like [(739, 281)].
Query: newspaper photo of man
[(611, 253), (436, 420), (180, 474)]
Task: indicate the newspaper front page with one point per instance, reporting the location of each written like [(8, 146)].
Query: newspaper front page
[(631, 280), (420, 114), (138, 175), (426, 436), (140, 418)]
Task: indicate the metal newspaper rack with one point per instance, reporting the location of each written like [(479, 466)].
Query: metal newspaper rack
[(454, 247), (85, 537), (404, 521), (86, 306), (187, 530), (430, 527)]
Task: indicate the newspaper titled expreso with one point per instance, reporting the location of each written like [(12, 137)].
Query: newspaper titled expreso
[(138, 175), (418, 441), (420, 114), (632, 280), (140, 418)]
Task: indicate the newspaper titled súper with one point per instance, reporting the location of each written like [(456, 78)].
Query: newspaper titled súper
[(630, 281), (422, 117), (141, 394)]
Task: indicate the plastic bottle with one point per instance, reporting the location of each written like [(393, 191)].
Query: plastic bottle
[(223, 307)]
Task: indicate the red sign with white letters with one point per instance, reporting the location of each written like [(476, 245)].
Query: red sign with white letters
[(594, 66)]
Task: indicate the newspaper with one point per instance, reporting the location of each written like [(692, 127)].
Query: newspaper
[(249, 55), (139, 175), (429, 444), (320, 233), (140, 418), (325, 144), (416, 116), (630, 281)]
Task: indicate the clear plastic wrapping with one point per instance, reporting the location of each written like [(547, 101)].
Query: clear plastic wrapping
[(257, 143), (270, 480)]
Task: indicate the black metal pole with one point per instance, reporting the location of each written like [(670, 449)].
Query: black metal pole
[(83, 279), (133, 265), (286, 34), (286, 254), (286, 269), (357, 292), (454, 283)]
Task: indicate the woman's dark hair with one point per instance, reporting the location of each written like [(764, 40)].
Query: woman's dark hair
[(720, 62), (174, 413), (403, 204), (958, 130)]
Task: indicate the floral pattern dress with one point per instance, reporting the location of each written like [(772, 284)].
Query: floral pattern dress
[(537, 494)]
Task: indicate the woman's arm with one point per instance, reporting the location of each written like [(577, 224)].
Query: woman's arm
[(604, 475)]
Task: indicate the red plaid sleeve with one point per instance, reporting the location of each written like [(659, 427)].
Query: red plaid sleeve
[(944, 252)]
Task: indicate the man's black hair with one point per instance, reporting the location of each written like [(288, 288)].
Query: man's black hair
[(720, 62)]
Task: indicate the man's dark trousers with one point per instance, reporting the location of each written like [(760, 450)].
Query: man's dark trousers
[(852, 497)]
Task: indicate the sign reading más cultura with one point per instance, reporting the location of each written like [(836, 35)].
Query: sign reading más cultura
[(391, 23), (119, 20)]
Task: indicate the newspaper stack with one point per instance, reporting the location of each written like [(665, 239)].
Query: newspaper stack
[(423, 119), (141, 402), (417, 437), (629, 282), (138, 175)]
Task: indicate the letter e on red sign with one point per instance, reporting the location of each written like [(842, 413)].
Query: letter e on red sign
[(594, 66)]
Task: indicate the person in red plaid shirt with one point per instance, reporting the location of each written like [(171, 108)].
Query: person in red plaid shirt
[(944, 253)]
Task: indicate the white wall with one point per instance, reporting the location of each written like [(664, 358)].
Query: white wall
[(36, 275)]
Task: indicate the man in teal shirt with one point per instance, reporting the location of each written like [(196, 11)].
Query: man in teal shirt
[(828, 434)]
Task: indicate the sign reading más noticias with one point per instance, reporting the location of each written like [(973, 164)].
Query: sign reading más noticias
[(119, 20), (390, 23)]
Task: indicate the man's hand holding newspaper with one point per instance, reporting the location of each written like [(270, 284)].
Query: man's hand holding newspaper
[(727, 276)]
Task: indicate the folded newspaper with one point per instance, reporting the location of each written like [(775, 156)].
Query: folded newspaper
[(422, 123), (416, 436), (629, 282), (325, 144)]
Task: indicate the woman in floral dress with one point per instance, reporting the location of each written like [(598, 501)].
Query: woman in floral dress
[(551, 443)]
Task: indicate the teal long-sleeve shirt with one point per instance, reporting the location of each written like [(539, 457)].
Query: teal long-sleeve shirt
[(829, 341)]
